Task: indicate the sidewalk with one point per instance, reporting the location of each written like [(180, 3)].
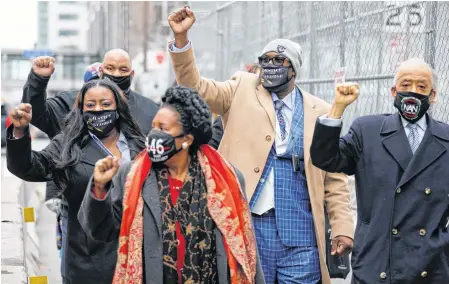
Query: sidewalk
[(13, 261), (28, 249)]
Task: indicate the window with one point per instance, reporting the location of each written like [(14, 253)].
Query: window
[(68, 33), (68, 16)]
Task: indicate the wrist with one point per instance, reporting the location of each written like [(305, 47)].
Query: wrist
[(336, 111), (18, 132), (99, 187), (181, 40)]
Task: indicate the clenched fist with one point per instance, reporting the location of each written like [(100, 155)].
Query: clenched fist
[(345, 94), (181, 20), (44, 66), (105, 170), (21, 118)]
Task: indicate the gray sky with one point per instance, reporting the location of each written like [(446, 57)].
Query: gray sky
[(18, 24)]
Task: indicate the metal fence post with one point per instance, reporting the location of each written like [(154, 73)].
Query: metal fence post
[(281, 18), (431, 18), (312, 37), (343, 7), (380, 42)]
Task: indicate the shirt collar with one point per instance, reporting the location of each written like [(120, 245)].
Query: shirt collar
[(288, 100), (122, 139), (422, 122)]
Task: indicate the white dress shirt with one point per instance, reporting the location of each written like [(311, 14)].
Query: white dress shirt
[(266, 199), (421, 123)]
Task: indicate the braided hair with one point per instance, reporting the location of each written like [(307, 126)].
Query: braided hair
[(194, 114)]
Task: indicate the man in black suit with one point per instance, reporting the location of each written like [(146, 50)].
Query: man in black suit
[(116, 66), (400, 163)]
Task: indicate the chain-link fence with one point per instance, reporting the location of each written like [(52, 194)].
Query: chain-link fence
[(365, 41)]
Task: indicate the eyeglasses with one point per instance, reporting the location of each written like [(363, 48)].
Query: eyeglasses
[(277, 60)]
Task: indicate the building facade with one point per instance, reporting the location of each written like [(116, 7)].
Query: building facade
[(62, 25), (132, 26)]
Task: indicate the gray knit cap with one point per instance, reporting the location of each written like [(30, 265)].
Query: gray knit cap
[(289, 49)]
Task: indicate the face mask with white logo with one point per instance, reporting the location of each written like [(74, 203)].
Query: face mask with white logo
[(100, 123), (412, 106), (161, 146)]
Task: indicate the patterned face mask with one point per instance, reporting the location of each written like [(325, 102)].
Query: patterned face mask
[(100, 123)]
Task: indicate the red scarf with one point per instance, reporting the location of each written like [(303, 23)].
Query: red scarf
[(225, 202)]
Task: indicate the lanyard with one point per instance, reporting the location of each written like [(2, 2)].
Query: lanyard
[(101, 145)]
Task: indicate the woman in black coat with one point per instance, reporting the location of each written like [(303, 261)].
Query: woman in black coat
[(99, 125), (179, 209)]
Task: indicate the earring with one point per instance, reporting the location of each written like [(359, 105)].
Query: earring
[(184, 145)]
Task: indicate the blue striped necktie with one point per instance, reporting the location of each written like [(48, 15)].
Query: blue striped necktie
[(278, 105), (413, 137)]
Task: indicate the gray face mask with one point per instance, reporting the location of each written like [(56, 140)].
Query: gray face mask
[(275, 78)]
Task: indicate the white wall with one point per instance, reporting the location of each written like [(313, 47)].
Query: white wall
[(57, 42)]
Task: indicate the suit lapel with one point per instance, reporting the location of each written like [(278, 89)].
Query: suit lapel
[(395, 140), (133, 149), (265, 100), (150, 194), (92, 153), (429, 150), (310, 116)]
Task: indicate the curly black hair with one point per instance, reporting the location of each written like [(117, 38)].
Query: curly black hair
[(194, 113)]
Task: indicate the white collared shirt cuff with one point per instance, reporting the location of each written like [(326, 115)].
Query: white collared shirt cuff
[(174, 49), (331, 122)]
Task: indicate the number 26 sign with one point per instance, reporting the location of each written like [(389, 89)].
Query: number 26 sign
[(405, 17)]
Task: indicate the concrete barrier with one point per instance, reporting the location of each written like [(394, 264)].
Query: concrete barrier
[(30, 197), (13, 260)]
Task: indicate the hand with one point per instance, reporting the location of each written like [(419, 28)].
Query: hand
[(181, 21), (346, 94), (105, 170), (44, 66), (21, 118), (341, 245)]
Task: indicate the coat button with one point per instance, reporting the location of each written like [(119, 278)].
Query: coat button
[(424, 274), (395, 231), (422, 232), (383, 275), (256, 169), (268, 138), (427, 191), (398, 190)]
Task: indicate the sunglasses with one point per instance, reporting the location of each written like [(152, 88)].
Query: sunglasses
[(277, 60)]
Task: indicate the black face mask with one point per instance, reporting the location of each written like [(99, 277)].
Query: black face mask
[(412, 106), (100, 123), (275, 78), (161, 146), (123, 82)]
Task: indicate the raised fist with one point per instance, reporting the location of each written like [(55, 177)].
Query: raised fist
[(44, 66), (105, 170), (21, 116), (181, 20), (346, 94)]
